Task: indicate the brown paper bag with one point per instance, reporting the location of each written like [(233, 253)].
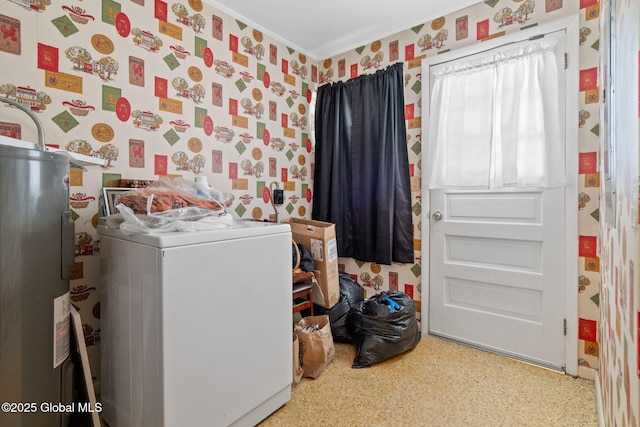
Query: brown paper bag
[(316, 344), (297, 367)]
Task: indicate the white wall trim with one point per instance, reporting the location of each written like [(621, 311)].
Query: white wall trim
[(571, 25), (245, 20), (336, 43), (572, 92)]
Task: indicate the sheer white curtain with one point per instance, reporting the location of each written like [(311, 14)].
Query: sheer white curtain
[(495, 121)]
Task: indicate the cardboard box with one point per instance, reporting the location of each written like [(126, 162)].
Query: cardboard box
[(320, 239)]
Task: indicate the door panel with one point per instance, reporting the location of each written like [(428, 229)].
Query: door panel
[(491, 252), (497, 271), (494, 299), (521, 208)]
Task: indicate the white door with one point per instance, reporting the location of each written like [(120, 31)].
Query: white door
[(497, 271), (498, 266)]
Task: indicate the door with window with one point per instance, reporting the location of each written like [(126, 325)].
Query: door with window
[(499, 201)]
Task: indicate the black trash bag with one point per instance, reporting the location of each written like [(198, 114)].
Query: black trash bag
[(383, 326), (351, 293), (306, 260)]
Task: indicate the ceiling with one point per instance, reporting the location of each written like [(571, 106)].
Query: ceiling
[(326, 28)]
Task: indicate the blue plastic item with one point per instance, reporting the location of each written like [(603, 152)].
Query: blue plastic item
[(393, 306)]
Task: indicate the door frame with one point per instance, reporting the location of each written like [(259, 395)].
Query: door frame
[(571, 27)]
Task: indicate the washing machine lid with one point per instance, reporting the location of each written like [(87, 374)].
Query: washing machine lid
[(240, 229), (14, 142)]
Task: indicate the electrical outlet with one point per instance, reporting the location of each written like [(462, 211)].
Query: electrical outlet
[(278, 196)]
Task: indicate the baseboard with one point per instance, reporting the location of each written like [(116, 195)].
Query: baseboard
[(599, 407), (587, 373)]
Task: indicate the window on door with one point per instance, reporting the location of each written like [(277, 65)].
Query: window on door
[(495, 120)]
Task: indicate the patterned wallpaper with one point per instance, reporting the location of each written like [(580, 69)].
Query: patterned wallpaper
[(607, 337), (484, 21), (158, 88), (618, 329)]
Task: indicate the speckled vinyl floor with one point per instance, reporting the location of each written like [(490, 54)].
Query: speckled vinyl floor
[(439, 383)]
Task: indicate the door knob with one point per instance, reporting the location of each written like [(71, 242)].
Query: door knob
[(437, 215)]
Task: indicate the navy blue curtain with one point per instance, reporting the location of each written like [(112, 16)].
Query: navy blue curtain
[(361, 179)]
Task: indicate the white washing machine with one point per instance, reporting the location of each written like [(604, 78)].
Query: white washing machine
[(196, 326)]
